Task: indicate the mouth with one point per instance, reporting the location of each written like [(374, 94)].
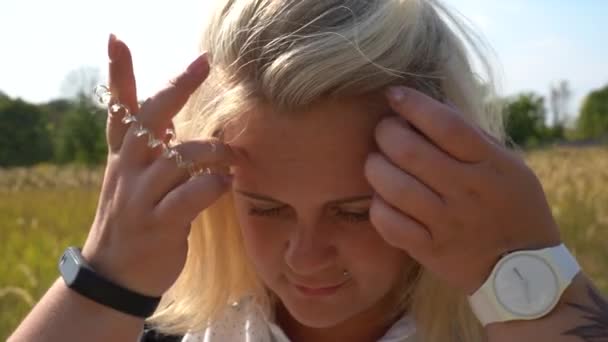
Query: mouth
[(318, 291)]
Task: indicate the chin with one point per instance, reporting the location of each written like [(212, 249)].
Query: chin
[(319, 312), (318, 317)]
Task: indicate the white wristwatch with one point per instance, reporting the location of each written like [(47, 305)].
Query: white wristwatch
[(524, 285)]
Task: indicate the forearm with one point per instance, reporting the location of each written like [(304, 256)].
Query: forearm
[(586, 321), (64, 315)]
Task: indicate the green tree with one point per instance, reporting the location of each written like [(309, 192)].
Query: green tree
[(24, 138), (56, 111), (592, 122), (559, 101), (81, 135), (78, 122), (525, 119), (4, 99)]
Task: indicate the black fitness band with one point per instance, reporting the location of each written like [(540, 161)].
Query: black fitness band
[(80, 277)]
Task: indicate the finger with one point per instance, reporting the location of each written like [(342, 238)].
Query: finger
[(156, 112), (398, 229), (123, 89), (164, 174), (492, 139), (414, 154), (441, 124), (403, 191), (182, 204)]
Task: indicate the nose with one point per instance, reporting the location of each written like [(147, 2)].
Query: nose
[(310, 251)]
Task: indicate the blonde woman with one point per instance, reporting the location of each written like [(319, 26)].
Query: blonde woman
[(354, 187)]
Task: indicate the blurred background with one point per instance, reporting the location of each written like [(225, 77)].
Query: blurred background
[(551, 56)]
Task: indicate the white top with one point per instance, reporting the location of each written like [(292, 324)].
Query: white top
[(244, 321)]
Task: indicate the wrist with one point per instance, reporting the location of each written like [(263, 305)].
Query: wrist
[(105, 268), (91, 308), (558, 320), (84, 279)]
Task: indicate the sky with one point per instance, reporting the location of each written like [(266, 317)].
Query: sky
[(536, 42)]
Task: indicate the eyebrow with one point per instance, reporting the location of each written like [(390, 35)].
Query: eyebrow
[(333, 202)]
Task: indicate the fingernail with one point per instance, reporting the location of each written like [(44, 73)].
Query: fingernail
[(199, 66), (113, 50), (396, 93)]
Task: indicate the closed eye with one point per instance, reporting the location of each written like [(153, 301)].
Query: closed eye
[(265, 212), (352, 216), (345, 215)]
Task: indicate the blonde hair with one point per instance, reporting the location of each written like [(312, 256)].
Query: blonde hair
[(292, 54)]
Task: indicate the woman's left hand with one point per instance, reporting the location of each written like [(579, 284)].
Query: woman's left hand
[(451, 195)]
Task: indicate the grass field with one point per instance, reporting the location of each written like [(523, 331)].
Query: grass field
[(46, 208)]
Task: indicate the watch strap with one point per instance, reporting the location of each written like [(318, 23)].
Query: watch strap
[(568, 267), (82, 278)]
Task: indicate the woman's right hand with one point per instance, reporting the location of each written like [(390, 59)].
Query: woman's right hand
[(139, 236)]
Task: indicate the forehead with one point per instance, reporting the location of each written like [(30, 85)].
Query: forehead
[(319, 149)]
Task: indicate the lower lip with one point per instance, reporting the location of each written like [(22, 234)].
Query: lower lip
[(326, 291)]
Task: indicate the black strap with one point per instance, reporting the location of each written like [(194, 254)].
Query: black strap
[(90, 284), (122, 299)]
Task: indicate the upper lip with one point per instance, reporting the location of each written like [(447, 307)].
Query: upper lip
[(318, 287)]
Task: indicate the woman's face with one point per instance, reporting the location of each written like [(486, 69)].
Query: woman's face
[(302, 202)]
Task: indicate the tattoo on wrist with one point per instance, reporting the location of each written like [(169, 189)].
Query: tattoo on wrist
[(597, 329)]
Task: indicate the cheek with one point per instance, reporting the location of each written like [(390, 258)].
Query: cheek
[(263, 242), (373, 261)]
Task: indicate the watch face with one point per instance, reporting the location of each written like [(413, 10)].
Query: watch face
[(68, 268), (526, 285)]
